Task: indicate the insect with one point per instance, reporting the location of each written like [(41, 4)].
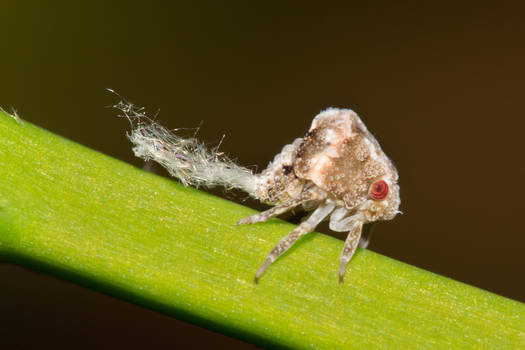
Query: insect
[(337, 170)]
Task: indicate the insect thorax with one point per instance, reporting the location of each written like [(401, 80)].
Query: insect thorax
[(338, 155)]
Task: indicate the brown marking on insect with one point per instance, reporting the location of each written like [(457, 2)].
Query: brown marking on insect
[(287, 169)]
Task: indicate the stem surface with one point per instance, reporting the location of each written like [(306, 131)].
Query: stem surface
[(94, 220)]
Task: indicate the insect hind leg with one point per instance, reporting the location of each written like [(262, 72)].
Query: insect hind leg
[(274, 211), (305, 227)]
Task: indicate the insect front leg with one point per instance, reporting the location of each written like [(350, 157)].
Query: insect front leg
[(351, 243), (340, 222), (366, 235), (305, 227)]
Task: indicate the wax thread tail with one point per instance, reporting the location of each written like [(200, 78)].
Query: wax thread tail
[(187, 159)]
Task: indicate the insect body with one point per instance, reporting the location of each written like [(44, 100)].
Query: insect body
[(337, 169)]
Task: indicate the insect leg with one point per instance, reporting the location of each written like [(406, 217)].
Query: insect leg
[(273, 211), (368, 229), (305, 227), (339, 222), (351, 243)]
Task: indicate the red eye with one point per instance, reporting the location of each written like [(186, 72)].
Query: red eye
[(379, 190)]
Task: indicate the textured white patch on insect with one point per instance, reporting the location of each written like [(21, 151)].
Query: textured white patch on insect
[(331, 136), (373, 150), (337, 170), (318, 166)]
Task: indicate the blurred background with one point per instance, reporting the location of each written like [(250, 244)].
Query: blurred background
[(441, 87)]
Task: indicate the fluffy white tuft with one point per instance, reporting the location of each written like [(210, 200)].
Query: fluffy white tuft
[(186, 159)]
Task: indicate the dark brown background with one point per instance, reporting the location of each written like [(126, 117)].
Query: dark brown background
[(441, 87)]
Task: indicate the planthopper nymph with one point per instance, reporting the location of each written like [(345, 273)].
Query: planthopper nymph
[(337, 170)]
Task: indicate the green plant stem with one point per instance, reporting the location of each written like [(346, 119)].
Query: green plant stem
[(88, 218)]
